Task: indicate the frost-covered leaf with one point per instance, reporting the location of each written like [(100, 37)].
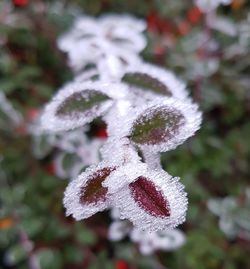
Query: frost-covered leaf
[(215, 206), (163, 125), (85, 195), (118, 230), (67, 165), (109, 35), (151, 199), (147, 80), (157, 125), (93, 191), (80, 103), (41, 146), (77, 104), (167, 240)]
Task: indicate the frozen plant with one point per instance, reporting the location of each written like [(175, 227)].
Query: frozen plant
[(234, 215), (147, 111), (74, 149), (148, 242), (8, 112)]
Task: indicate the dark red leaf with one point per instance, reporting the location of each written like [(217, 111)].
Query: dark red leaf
[(94, 192), (149, 198)]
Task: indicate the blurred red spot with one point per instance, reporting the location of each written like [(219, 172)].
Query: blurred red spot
[(50, 168), (157, 24), (32, 113), (101, 133), (121, 264), (193, 14), (159, 50), (20, 3), (152, 21), (183, 27)]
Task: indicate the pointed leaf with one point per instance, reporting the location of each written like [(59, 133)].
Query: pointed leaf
[(80, 104), (76, 104), (158, 125), (149, 198), (94, 192), (146, 82)]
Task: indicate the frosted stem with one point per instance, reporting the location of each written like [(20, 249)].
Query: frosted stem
[(153, 160)]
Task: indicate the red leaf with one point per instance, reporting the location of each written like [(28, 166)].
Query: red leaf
[(94, 192), (149, 198)]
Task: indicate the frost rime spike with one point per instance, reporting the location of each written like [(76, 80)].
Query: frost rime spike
[(149, 198)]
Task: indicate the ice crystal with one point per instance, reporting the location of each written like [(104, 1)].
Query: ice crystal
[(146, 109)]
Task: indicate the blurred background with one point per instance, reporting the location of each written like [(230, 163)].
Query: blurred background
[(209, 48)]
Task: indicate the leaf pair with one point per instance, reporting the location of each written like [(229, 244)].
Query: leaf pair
[(150, 199)]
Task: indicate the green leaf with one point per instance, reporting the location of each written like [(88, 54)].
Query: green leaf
[(80, 103), (49, 258), (41, 146), (15, 254), (86, 237), (155, 126), (146, 82)]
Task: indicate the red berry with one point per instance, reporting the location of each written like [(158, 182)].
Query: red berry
[(32, 113)]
